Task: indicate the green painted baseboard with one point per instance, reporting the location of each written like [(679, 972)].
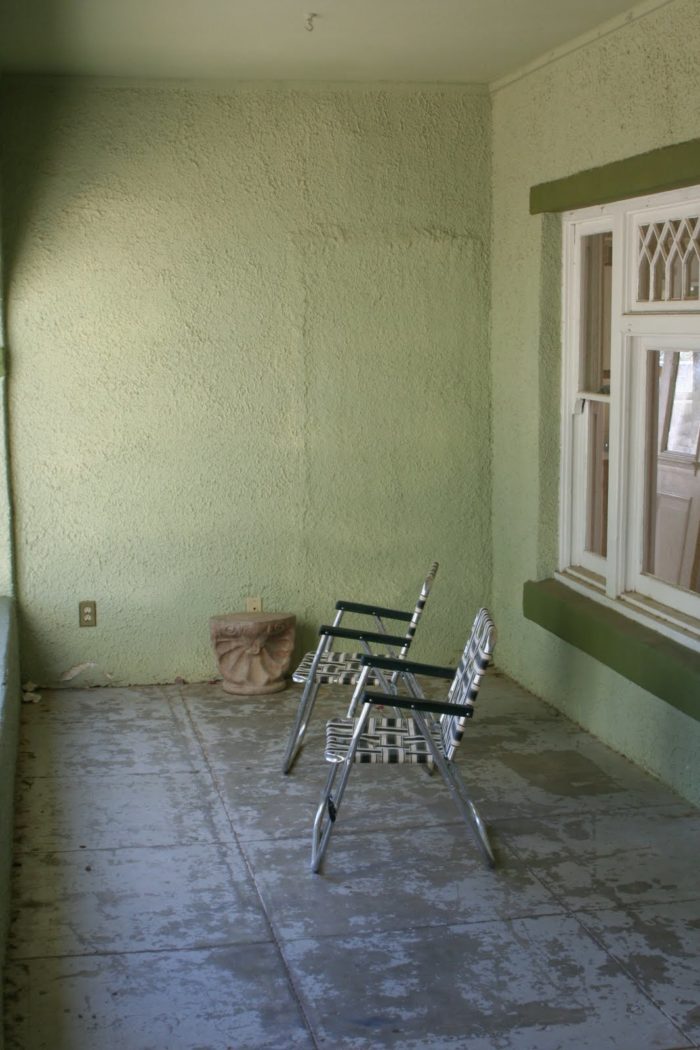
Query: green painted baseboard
[(652, 661)]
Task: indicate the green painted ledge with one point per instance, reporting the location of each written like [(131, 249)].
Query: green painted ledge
[(652, 661), (668, 168)]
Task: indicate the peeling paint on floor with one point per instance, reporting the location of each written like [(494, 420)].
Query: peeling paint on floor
[(162, 898)]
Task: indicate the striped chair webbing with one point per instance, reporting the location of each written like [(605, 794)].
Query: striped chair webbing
[(420, 606), (465, 685), (385, 740), (333, 669), (337, 668)]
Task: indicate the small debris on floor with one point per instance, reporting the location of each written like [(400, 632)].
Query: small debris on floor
[(29, 693)]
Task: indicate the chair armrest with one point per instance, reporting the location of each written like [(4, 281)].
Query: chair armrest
[(437, 707), (362, 636), (374, 610), (388, 663)]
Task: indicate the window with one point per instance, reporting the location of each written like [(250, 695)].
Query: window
[(630, 486)]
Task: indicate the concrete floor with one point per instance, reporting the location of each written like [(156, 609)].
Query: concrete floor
[(163, 898)]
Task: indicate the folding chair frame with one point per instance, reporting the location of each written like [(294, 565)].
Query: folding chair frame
[(381, 636), (308, 697), (329, 805)]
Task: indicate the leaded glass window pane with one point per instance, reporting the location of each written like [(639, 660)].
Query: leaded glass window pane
[(668, 265)]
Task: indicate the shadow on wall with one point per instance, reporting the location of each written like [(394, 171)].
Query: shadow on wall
[(28, 117)]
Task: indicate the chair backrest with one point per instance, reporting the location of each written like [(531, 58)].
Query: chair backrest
[(465, 684), (418, 611)]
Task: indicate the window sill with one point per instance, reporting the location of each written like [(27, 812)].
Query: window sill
[(660, 619), (658, 664)]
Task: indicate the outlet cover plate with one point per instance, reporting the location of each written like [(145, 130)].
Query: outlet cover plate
[(87, 613)]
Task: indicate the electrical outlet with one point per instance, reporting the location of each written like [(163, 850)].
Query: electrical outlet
[(253, 604), (87, 612)]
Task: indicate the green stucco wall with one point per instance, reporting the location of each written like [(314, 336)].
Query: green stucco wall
[(635, 90), (248, 338), (249, 354), (7, 584)]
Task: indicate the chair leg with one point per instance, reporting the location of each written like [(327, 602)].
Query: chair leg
[(324, 821), (471, 813), (358, 691), (329, 805), (458, 790), (308, 699), (411, 684), (301, 721)]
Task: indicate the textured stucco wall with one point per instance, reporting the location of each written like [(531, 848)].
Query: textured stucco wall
[(6, 545), (635, 90), (248, 336), (7, 583)]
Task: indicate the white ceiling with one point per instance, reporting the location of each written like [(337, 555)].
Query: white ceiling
[(475, 41)]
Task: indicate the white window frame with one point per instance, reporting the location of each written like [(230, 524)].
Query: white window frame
[(617, 580)]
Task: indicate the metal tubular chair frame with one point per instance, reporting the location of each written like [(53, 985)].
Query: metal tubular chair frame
[(347, 667), (440, 738)]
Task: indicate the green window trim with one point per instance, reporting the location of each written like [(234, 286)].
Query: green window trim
[(668, 168), (656, 663)]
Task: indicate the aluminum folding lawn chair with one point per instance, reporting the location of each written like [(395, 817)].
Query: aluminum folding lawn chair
[(418, 738), (325, 667)]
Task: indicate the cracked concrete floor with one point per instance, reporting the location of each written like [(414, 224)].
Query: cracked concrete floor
[(162, 897)]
